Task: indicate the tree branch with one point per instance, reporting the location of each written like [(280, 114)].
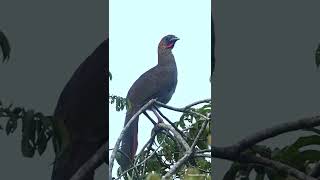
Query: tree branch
[(234, 152), (184, 108), (177, 135), (95, 161), (276, 130)]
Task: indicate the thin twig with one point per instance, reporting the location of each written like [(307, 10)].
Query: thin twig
[(184, 108), (198, 102), (204, 125), (147, 115), (176, 135), (168, 120), (203, 151)]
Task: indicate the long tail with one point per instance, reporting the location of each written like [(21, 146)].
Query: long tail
[(72, 159), (130, 138)]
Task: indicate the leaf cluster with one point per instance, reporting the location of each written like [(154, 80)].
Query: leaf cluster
[(299, 155), (36, 128)]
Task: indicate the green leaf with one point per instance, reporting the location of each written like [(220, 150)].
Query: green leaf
[(306, 141), (310, 155), (29, 126), (110, 75), (153, 176), (11, 125), (203, 164), (46, 121), (121, 102), (5, 46), (27, 148), (160, 137), (41, 144), (232, 172)]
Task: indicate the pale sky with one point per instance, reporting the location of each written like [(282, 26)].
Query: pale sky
[(135, 30)]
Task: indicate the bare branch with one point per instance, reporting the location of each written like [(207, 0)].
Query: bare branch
[(184, 108), (225, 153), (95, 161), (168, 120), (198, 102), (276, 130), (176, 134), (233, 152)]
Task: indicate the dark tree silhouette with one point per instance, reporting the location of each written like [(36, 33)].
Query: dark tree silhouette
[(80, 118)]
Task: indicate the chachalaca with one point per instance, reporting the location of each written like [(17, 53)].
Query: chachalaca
[(81, 115), (158, 83)]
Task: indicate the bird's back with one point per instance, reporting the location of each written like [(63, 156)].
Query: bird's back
[(80, 117)]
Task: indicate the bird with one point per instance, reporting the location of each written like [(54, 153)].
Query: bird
[(157, 83), (80, 119)]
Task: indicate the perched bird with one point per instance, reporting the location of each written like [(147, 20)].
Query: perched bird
[(80, 117), (157, 83)]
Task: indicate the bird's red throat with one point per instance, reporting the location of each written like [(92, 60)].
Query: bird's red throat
[(170, 45)]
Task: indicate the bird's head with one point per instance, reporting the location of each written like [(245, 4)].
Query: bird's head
[(168, 42)]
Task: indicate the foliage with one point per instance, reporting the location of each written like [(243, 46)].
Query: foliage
[(36, 128), (167, 151), (296, 155), (5, 46), (120, 102)]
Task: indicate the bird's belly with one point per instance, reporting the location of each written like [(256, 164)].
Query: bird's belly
[(165, 98)]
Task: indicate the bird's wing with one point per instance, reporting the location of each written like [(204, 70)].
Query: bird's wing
[(152, 84)]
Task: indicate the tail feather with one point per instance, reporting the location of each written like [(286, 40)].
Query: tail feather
[(130, 138)]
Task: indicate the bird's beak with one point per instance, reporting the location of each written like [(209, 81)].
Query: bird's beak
[(174, 39)]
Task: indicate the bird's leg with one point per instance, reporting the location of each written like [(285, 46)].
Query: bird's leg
[(160, 120)]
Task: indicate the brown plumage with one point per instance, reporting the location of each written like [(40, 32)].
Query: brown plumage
[(159, 82), (81, 115)]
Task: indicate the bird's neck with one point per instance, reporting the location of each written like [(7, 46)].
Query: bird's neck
[(165, 57)]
